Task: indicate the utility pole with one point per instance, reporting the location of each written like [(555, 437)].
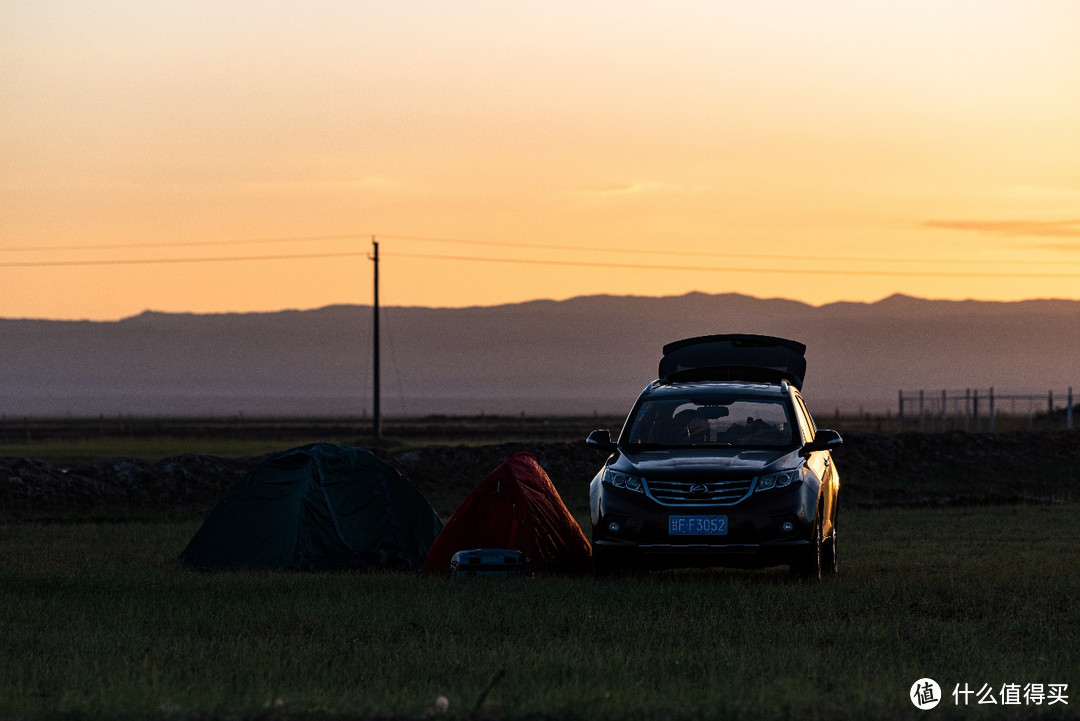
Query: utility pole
[(376, 428)]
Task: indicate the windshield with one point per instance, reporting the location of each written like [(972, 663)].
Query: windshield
[(730, 422)]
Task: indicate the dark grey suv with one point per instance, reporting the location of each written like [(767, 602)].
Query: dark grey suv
[(719, 464)]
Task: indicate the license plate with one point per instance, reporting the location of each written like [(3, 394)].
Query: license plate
[(697, 525)]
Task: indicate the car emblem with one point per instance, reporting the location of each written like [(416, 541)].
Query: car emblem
[(698, 488)]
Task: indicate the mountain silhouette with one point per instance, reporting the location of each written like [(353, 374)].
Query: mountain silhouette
[(590, 354)]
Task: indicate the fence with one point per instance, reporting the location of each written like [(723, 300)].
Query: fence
[(971, 410)]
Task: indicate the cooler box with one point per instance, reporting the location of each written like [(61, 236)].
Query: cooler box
[(495, 562)]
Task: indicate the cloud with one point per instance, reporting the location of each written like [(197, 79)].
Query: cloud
[(1012, 228), (1044, 192), (1061, 247), (619, 190), (642, 188), (371, 182)]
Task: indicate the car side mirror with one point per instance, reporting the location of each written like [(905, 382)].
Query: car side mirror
[(601, 438), (824, 440)]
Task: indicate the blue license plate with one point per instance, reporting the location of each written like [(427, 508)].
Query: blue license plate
[(697, 525)]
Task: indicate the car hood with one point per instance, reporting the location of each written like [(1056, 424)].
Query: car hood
[(697, 460)]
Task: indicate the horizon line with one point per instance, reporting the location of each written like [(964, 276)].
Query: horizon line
[(384, 306)]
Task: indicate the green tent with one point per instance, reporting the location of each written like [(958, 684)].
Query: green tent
[(320, 507)]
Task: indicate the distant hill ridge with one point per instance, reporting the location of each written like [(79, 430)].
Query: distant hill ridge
[(582, 355)]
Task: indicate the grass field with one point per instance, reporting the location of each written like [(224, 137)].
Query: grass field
[(96, 622)]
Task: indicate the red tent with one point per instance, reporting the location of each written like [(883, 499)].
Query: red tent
[(515, 507)]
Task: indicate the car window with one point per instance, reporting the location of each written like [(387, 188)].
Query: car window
[(691, 421)]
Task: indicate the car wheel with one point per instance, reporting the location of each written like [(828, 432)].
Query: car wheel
[(807, 565)]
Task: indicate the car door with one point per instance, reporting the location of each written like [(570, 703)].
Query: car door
[(820, 462)]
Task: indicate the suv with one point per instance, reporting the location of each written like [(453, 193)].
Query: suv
[(719, 464)]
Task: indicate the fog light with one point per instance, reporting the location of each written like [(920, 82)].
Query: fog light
[(787, 526), (614, 527)]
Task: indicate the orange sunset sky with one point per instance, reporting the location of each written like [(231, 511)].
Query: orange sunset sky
[(217, 155)]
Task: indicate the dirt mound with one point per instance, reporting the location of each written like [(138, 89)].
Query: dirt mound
[(32, 488), (959, 468), (875, 471)]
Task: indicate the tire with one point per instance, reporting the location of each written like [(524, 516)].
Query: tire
[(807, 565)]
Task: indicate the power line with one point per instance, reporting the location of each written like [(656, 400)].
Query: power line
[(159, 261), (177, 244), (729, 269), (550, 262), (720, 254), (485, 243)]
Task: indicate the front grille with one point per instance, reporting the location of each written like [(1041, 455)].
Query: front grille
[(716, 493)]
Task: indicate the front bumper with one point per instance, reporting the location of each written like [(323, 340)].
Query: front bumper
[(657, 556), (768, 528)]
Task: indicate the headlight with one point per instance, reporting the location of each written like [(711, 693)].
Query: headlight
[(624, 480), (777, 480)]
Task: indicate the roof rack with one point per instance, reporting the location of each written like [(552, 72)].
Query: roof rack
[(754, 358)]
